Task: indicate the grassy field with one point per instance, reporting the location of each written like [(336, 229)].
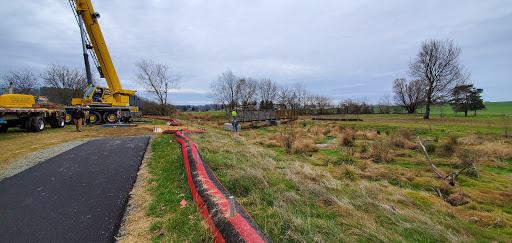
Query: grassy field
[(341, 181), (354, 181), (492, 108)]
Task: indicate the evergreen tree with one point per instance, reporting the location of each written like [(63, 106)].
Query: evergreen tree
[(465, 98), (475, 100)]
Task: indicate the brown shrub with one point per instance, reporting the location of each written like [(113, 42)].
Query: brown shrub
[(349, 132), (458, 199), (304, 147), (369, 135), (380, 152), (406, 133), (347, 141), (287, 136), (400, 142), (326, 131)]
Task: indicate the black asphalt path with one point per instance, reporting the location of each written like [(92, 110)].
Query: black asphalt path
[(77, 196)]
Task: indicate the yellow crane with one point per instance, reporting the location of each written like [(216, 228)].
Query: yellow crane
[(107, 104)]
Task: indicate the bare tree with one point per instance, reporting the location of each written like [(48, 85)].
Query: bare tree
[(157, 80), (301, 95), (23, 81), (323, 103), (384, 104), (293, 96), (408, 95), (285, 96), (224, 89), (64, 83), (344, 106), (246, 89), (438, 67), (267, 91)]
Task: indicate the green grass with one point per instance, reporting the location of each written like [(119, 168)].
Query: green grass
[(329, 152), (331, 197), (492, 108), (176, 222), (406, 164)]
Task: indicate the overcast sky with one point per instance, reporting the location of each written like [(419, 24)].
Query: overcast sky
[(341, 49)]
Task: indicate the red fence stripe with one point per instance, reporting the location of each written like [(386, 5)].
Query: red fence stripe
[(212, 200)]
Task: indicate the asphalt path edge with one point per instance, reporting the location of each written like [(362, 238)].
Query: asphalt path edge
[(124, 231)]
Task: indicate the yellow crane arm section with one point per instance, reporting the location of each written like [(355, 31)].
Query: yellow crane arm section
[(90, 19)]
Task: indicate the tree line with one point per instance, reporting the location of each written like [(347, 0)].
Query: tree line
[(233, 91), (437, 77)]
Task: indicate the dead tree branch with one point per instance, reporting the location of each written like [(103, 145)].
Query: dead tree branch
[(434, 168), (476, 170), (438, 192)]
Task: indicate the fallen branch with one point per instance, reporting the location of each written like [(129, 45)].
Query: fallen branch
[(455, 174), (476, 170), (438, 192), (434, 168)]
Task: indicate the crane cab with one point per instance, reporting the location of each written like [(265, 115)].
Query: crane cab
[(100, 96)]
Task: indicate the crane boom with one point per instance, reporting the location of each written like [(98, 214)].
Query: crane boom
[(104, 62), (107, 105)]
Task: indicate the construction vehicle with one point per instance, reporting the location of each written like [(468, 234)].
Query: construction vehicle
[(29, 112), (107, 104)]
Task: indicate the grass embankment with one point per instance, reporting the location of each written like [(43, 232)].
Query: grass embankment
[(169, 187), (369, 183)]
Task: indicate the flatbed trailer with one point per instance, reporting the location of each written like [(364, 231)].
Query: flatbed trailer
[(31, 119)]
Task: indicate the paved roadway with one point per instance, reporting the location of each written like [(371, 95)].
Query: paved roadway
[(77, 196)]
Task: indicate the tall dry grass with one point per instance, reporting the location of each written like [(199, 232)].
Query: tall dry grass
[(499, 150), (304, 146), (380, 152), (287, 136)]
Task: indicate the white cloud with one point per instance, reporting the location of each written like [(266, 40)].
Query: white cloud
[(328, 45)]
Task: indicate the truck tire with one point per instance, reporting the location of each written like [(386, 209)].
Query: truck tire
[(94, 117), (61, 122), (58, 122), (38, 124), (3, 128), (28, 124), (110, 117)]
